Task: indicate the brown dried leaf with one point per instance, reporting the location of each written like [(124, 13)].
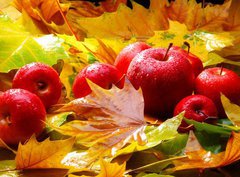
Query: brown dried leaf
[(46, 154), (108, 119)]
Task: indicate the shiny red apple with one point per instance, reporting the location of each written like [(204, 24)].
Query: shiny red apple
[(40, 79), (213, 81), (102, 74), (22, 114), (164, 77), (196, 107)]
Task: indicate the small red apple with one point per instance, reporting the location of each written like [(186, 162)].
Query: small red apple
[(40, 79), (213, 81), (125, 57), (193, 59), (196, 107), (101, 74), (22, 114), (164, 77)]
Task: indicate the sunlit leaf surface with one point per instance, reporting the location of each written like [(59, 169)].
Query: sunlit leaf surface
[(113, 118), (19, 48), (46, 154)]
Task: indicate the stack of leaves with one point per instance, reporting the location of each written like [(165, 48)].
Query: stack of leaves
[(106, 134)]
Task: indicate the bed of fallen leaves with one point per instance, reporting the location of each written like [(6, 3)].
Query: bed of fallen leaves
[(106, 134)]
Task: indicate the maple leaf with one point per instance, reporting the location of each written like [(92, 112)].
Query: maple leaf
[(209, 18), (111, 123), (46, 154), (233, 20), (113, 118), (18, 47), (197, 157), (137, 25)]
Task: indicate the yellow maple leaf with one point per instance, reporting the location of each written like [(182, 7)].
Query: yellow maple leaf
[(201, 42), (142, 22), (46, 154)]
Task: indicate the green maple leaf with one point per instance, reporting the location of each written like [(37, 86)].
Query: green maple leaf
[(17, 47)]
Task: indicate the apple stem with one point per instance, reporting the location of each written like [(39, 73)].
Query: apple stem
[(188, 46), (169, 47), (221, 69)]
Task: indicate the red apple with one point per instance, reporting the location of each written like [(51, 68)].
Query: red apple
[(213, 81), (101, 74), (164, 79), (22, 114), (40, 79), (193, 59), (125, 57), (196, 107)]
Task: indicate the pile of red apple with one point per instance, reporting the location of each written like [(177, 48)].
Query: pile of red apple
[(35, 88), (172, 81)]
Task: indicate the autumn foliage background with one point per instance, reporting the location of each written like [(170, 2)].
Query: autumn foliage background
[(106, 133)]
